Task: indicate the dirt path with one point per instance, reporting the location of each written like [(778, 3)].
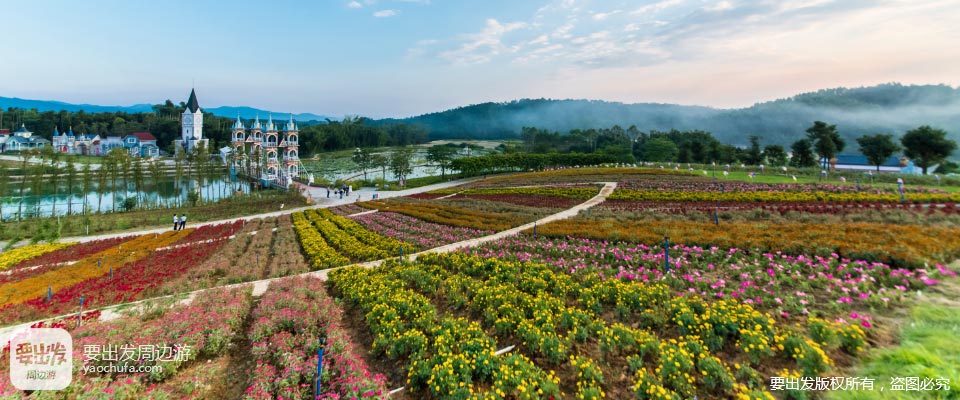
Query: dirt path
[(260, 286)]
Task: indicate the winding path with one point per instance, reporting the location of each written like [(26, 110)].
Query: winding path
[(260, 286)]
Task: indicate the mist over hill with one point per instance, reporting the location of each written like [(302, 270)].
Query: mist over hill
[(888, 108)]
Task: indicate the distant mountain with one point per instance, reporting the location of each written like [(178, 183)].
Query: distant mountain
[(225, 111), (889, 108)]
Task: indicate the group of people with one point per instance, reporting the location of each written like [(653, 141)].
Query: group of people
[(179, 222), (344, 190)]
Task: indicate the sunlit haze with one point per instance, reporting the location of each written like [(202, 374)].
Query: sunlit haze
[(394, 58)]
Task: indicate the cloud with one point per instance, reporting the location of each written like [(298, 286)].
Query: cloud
[(385, 13), (354, 4), (483, 46), (656, 7), (603, 16)]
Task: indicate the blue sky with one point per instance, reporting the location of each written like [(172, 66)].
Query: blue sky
[(405, 57)]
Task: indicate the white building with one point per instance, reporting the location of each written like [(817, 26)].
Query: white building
[(191, 132)]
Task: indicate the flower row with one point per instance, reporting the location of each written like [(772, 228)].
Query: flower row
[(448, 215), (898, 245), (445, 357), (760, 196), (777, 207), (370, 238), (425, 235), (790, 287), (293, 316), (577, 192), (94, 265), (141, 277), (59, 258), (677, 183), (345, 243), (321, 255), (13, 257), (528, 304)]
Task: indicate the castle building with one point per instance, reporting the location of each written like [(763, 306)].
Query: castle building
[(191, 130), (268, 151)]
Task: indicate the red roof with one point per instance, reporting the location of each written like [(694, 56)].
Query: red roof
[(144, 136)]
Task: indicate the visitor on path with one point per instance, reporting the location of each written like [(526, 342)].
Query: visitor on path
[(328, 192), (176, 221), (183, 221)]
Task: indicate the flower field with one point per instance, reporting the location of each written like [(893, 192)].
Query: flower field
[(899, 245), (576, 335), (780, 197), (788, 287), (679, 207), (425, 235), (331, 240), (136, 275), (288, 323), (13, 257), (59, 258), (448, 215)]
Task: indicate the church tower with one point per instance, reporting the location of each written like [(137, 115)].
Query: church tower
[(191, 133)]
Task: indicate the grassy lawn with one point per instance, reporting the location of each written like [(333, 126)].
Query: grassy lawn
[(928, 349)]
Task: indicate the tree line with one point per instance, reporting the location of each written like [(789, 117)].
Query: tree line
[(925, 145), (164, 124)]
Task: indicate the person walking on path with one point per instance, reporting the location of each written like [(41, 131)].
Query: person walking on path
[(328, 192), (183, 221), (176, 221)]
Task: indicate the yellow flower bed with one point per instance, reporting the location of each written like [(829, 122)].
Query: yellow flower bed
[(321, 255), (16, 256), (388, 244), (897, 244), (86, 268)]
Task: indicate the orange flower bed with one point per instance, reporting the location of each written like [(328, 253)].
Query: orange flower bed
[(903, 245), (115, 257)]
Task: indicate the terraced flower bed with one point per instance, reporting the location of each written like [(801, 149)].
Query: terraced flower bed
[(898, 245), (59, 258), (136, 275), (442, 317), (788, 287), (13, 257), (425, 235)]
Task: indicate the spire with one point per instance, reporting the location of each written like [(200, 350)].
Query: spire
[(56, 132), (256, 123), (270, 123), (239, 123), (192, 104), (70, 132), (291, 126)]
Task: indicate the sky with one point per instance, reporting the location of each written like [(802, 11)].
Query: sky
[(397, 58)]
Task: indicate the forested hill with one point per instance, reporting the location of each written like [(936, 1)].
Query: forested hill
[(888, 108)]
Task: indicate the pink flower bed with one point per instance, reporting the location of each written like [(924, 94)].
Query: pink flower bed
[(427, 235), (291, 318)]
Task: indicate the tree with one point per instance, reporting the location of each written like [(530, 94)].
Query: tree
[(102, 180), (442, 156), (155, 175), (927, 146), (775, 155), (71, 180), (659, 149), (877, 148), (381, 162), (753, 155), (361, 157), (401, 162), (825, 139), (114, 161), (24, 158), (86, 184), (138, 178), (802, 154)]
